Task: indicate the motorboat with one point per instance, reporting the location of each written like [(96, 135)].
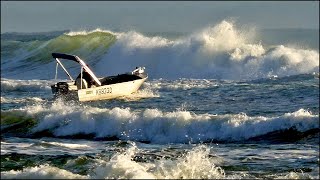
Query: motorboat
[(88, 87)]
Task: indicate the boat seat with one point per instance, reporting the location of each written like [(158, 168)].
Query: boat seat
[(84, 83)]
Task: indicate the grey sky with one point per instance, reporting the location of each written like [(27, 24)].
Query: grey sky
[(158, 16)]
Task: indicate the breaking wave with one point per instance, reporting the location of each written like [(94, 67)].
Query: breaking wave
[(223, 51), (194, 164), (156, 126), (197, 163)]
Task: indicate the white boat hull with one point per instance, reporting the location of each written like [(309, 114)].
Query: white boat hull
[(110, 91)]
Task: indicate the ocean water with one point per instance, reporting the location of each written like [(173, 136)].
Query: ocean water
[(226, 102)]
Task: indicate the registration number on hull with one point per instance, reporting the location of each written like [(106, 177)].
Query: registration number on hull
[(107, 90)]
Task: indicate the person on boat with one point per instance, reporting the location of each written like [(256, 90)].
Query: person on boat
[(135, 71), (138, 70), (86, 76)]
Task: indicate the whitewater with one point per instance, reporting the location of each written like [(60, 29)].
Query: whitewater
[(224, 102)]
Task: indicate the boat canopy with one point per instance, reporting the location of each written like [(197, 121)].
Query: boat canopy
[(58, 56), (65, 56)]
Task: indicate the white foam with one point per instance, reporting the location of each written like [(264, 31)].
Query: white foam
[(25, 85), (157, 126), (85, 32), (134, 39), (290, 61), (69, 145), (226, 37), (121, 166), (7, 147), (143, 92), (181, 83), (296, 175), (193, 165), (221, 51), (41, 172)]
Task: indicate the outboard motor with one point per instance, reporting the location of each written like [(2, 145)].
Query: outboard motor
[(60, 88)]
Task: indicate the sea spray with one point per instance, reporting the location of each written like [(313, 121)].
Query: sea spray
[(194, 164), (221, 51)]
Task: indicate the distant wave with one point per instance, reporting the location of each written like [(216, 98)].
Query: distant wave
[(223, 51), (156, 126)]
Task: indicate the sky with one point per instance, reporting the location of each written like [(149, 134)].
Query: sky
[(154, 16)]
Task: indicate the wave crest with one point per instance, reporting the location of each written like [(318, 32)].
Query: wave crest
[(223, 51), (156, 126)]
